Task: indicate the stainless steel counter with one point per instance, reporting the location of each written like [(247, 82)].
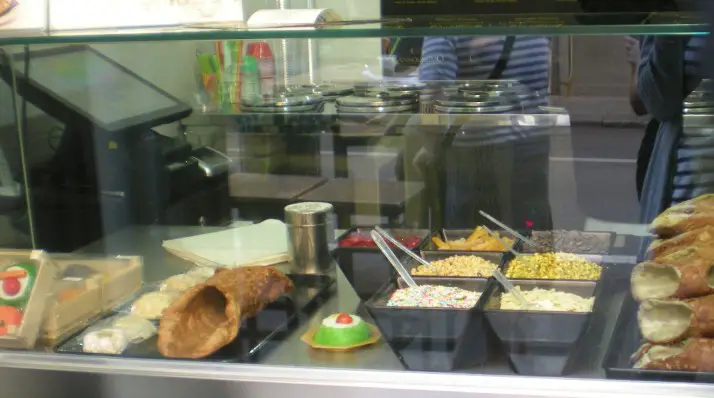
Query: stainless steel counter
[(290, 369)]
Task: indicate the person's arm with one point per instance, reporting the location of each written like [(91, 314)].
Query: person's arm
[(632, 52), (660, 76), (438, 59)]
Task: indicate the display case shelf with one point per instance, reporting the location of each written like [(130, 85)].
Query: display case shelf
[(667, 23)]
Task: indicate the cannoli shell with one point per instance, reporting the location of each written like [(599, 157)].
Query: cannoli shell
[(697, 355), (702, 203), (663, 247), (700, 322), (675, 223), (207, 316), (692, 279)]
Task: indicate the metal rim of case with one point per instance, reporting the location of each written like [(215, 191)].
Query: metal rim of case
[(373, 102), (491, 386)]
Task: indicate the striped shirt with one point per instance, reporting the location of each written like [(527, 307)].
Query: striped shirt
[(694, 174), (466, 58)]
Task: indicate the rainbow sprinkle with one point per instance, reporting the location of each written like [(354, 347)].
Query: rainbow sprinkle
[(433, 296)]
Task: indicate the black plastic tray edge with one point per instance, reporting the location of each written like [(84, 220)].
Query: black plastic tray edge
[(616, 371), (324, 292)]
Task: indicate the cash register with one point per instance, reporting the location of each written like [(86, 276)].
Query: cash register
[(109, 169)]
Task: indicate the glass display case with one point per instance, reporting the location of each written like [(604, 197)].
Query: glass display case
[(355, 197)]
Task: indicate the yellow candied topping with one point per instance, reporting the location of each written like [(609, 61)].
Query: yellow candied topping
[(553, 266)]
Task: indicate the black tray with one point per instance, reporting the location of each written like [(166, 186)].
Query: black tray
[(607, 239), (540, 342), (434, 255), (257, 335), (454, 234), (626, 339), (597, 259), (366, 268), (434, 339)]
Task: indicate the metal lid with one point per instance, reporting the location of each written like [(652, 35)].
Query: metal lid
[(392, 94), (329, 90), (282, 109), (404, 87), (286, 99), (307, 213), (374, 101), (476, 95), (376, 109), (474, 110), (462, 101)]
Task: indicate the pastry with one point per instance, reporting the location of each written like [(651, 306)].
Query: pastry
[(681, 278), (667, 321), (208, 316), (6, 6), (152, 305), (179, 283), (678, 223), (16, 282), (700, 204), (201, 273), (105, 341), (136, 329), (695, 355), (697, 237), (342, 330)]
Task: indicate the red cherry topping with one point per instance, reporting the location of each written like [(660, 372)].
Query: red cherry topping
[(11, 286), (343, 319)]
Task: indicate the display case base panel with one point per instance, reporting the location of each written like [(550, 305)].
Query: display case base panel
[(626, 339), (257, 335)]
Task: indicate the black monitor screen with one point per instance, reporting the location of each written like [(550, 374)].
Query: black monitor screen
[(99, 88)]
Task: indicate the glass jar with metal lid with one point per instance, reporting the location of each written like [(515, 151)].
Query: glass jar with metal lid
[(285, 103), (328, 91), (460, 104)]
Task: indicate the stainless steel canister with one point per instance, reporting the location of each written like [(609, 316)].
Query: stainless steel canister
[(309, 229)]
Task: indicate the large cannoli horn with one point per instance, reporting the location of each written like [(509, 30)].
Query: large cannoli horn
[(207, 317), (667, 321), (663, 247), (680, 280), (694, 355)]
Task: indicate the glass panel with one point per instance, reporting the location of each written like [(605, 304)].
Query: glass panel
[(285, 153), (139, 20), (15, 227)]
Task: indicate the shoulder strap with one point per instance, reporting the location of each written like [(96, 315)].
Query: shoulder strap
[(500, 66)]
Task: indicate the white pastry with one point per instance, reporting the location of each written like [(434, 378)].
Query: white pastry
[(136, 329), (152, 305), (105, 341), (201, 273), (179, 283)]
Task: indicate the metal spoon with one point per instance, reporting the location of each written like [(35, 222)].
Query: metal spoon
[(400, 246), (510, 230), (392, 258)]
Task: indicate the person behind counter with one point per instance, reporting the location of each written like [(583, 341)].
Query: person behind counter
[(644, 153), (504, 170), (682, 163)]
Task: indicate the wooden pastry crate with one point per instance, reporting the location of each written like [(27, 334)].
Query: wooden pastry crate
[(25, 335), (117, 279)]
